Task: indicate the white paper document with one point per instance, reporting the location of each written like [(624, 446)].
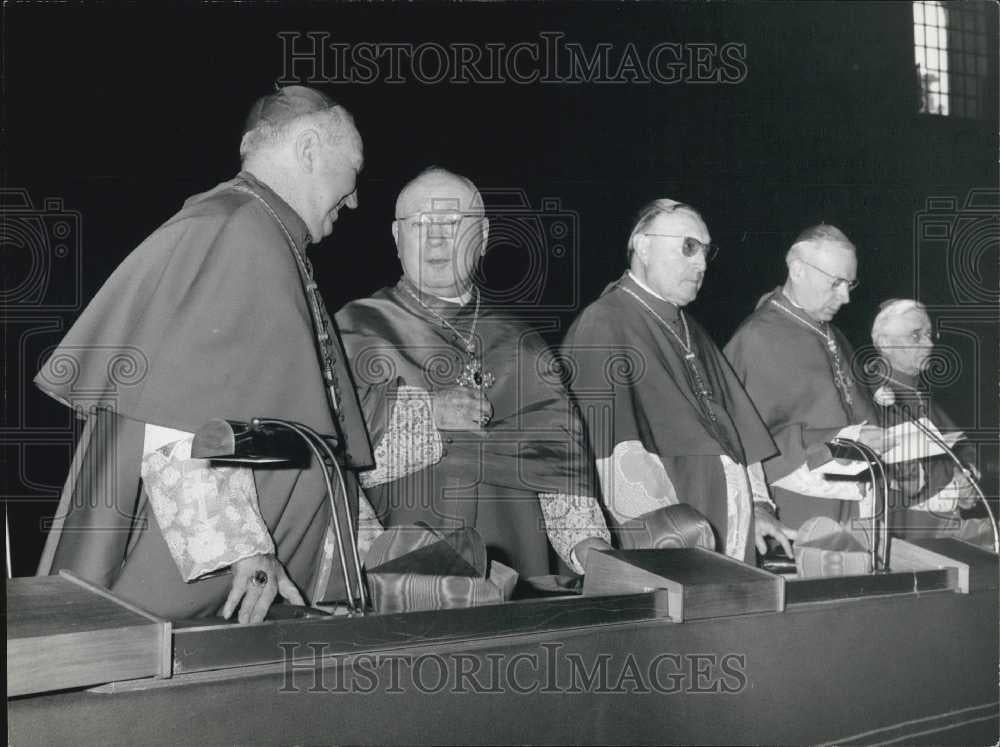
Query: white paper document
[(911, 444)]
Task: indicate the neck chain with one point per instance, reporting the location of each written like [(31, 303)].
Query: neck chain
[(469, 343), (473, 375), (903, 383), (320, 317), (702, 389), (840, 379), (823, 331)]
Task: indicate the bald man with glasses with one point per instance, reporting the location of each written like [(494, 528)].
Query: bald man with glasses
[(796, 367), (933, 507)]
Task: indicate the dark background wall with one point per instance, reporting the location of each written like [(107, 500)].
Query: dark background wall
[(123, 114)]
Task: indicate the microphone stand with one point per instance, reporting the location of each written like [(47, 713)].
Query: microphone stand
[(6, 542), (872, 459), (255, 443), (314, 440), (968, 476)]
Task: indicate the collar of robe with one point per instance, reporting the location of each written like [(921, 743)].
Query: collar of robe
[(450, 309), (908, 385), (291, 220), (670, 312)]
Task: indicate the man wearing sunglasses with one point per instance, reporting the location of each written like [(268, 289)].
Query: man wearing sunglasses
[(796, 366), (668, 420)]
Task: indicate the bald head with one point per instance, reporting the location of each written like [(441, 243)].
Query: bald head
[(452, 191), (276, 119), (440, 231), (816, 237), (822, 270), (903, 334), (306, 148), (649, 213), (660, 250)]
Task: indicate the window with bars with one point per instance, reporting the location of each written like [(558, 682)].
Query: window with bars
[(952, 59)]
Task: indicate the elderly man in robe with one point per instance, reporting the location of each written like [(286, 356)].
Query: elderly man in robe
[(472, 429), (215, 315), (904, 337), (668, 420), (796, 367)]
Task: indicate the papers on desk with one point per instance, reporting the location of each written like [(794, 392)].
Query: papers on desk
[(911, 444)]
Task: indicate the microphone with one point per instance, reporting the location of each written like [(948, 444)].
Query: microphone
[(965, 470), (265, 441), (846, 448)]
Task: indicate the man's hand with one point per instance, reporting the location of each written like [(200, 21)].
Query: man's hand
[(876, 438), (253, 598), (967, 495), (766, 524), (461, 409), (907, 477), (584, 546)]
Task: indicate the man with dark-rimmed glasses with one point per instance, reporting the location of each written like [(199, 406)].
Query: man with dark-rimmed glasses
[(668, 420), (796, 366)]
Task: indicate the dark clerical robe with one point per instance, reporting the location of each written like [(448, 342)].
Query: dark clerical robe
[(522, 477), (791, 374), (656, 441), (934, 509), (207, 318)]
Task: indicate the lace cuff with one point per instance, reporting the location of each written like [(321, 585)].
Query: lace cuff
[(208, 515), (411, 441), (634, 482), (369, 527), (808, 482), (758, 485), (569, 519), (946, 501), (738, 506)]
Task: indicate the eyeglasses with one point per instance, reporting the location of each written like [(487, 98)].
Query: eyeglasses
[(691, 246), (838, 282), (920, 335), (445, 221)]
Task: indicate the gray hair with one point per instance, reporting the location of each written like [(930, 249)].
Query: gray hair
[(891, 310), (815, 235), (335, 124), (650, 212)]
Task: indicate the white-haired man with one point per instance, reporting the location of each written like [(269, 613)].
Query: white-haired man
[(796, 367), (904, 337), (218, 316), (469, 429), (669, 422)]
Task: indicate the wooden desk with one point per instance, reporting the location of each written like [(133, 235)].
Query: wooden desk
[(895, 665), (63, 632)]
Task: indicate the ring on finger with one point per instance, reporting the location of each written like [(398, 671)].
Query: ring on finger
[(259, 578)]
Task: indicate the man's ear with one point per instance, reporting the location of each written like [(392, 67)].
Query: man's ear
[(641, 244), (795, 269), (395, 233), (307, 149)]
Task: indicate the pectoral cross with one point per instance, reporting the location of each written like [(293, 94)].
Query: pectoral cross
[(702, 390)]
